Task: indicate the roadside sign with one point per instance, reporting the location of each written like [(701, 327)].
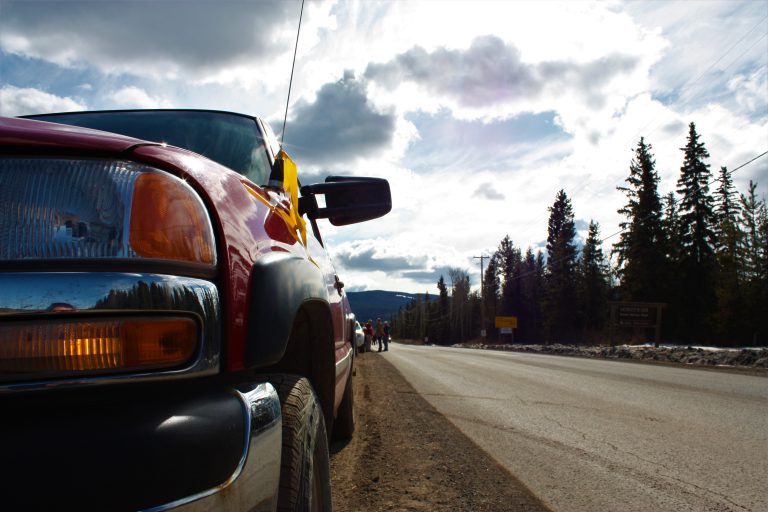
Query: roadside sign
[(482, 333), (637, 315), (509, 322), (506, 330)]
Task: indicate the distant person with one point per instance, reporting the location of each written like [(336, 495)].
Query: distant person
[(386, 336), (380, 333), (368, 331), (374, 340)]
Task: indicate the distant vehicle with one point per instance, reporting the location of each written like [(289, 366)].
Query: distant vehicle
[(171, 325), (359, 337)]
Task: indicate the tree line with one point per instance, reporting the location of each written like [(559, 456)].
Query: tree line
[(701, 250)]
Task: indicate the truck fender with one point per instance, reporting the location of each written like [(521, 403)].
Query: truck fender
[(280, 284)]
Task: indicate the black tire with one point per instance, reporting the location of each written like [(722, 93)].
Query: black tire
[(344, 426), (305, 476)]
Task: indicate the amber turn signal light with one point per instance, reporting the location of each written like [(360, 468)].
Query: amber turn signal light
[(168, 221), (55, 348)]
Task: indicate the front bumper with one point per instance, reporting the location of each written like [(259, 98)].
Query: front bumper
[(153, 440), (137, 449)]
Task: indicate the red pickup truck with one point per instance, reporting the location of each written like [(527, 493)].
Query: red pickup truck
[(173, 334)]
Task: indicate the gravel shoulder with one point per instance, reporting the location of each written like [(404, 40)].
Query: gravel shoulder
[(407, 456)]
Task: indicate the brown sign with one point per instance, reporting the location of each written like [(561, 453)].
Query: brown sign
[(636, 315)]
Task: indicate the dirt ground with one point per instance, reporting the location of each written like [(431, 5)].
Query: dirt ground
[(406, 456)]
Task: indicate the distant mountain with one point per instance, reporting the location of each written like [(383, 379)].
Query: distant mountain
[(379, 304)]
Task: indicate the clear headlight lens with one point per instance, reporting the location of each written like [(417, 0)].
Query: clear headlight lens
[(60, 208)]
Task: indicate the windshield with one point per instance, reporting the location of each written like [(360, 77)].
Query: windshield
[(232, 140)]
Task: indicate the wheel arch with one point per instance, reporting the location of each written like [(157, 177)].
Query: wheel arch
[(290, 325)]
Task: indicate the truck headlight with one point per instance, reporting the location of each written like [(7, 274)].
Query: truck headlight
[(68, 208)]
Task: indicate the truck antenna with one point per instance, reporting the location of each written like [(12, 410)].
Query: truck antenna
[(290, 82)]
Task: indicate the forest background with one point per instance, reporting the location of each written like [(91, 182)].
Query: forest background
[(701, 250)]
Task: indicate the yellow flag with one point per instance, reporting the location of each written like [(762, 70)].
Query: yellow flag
[(291, 186)]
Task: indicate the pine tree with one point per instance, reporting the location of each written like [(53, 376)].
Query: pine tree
[(754, 217), (442, 313), (560, 297), (460, 310), (728, 289), (491, 291), (642, 246), (761, 309), (530, 298), (750, 220), (697, 262), (593, 289), (670, 223), (539, 287), (507, 258)]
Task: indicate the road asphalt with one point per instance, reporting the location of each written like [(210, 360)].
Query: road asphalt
[(592, 435), (405, 456)]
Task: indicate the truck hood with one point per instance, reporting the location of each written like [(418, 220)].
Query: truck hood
[(41, 135)]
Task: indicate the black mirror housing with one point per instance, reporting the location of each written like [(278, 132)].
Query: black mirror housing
[(348, 200)]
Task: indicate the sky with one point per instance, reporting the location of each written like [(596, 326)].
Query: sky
[(477, 113)]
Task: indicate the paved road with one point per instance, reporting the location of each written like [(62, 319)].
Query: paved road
[(591, 435)]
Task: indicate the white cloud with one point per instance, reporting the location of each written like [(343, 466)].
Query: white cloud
[(135, 97), (17, 101), (750, 92), (491, 73)]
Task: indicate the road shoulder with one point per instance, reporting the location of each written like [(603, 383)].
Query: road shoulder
[(406, 456)]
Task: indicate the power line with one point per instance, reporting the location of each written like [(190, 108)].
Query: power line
[(748, 162)]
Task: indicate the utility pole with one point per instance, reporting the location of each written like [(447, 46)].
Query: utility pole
[(482, 293)]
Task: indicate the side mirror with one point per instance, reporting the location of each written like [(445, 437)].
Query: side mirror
[(348, 200)]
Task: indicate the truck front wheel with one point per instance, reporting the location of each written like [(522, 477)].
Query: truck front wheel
[(305, 482)]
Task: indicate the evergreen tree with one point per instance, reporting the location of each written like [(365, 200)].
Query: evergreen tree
[(754, 218), (539, 287), (728, 290), (460, 309), (508, 258), (491, 292), (670, 223), (473, 314), (750, 219), (442, 313), (593, 291), (675, 296), (697, 261), (426, 315), (761, 308), (642, 246), (530, 298), (726, 214), (560, 297)]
